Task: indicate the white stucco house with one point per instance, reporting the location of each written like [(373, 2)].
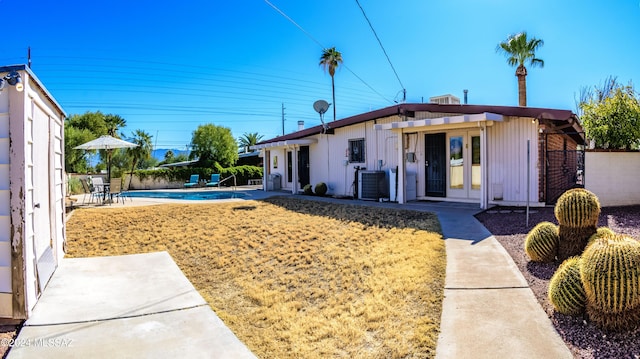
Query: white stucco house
[(32, 190), (429, 151)]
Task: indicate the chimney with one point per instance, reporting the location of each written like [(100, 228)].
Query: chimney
[(300, 125), (465, 95)]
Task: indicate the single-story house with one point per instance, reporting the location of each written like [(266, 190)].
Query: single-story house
[(490, 155), (32, 189)]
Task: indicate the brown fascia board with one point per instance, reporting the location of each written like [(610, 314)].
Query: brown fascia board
[(411, 108)]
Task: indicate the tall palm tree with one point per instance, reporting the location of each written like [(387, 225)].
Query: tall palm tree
[(330, 60), (142, 152), (249, 139), (519, 51)]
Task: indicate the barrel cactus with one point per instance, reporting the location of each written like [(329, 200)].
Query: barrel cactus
[(600, 232), (577, 212), (577, 207), (610, 273), (541, 243), (566, 291)]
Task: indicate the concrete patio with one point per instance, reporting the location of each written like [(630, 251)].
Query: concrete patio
[(133, 306)]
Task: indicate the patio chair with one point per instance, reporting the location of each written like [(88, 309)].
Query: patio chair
[(193, 181), (215, 180), (99, 187), (88, 190), (115, 189)]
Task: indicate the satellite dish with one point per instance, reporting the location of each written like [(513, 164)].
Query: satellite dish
[(321, 106)]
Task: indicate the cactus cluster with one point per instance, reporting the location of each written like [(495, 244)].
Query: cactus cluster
[(600, 274)]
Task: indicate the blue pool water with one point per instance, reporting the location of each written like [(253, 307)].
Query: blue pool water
[(190, 195)]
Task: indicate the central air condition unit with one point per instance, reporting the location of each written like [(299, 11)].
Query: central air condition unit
[(445, 100), (371, 185)]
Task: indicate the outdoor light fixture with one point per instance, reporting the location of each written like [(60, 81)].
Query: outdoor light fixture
[(13, 79)]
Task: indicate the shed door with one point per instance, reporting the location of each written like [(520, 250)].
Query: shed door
[(435, 165), (41, 173)]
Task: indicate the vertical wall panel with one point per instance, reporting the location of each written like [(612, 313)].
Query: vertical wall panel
[(507, 152)]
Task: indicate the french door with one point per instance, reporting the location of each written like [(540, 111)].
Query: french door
[(464, 164)]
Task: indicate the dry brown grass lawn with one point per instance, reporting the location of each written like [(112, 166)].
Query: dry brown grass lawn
[(294, 278)]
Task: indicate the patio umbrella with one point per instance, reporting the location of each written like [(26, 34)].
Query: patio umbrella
[(107, 143)]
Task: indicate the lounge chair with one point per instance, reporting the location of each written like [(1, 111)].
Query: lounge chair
[(193, 181), (215, 180)]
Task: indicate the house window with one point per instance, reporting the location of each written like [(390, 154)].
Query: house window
[(356, 151)]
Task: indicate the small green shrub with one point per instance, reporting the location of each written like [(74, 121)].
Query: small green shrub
[(321, 189), (74, 186), (566, 292), (541, 243), (307, 189)]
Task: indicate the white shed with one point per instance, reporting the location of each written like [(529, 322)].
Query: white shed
[(32, 190)]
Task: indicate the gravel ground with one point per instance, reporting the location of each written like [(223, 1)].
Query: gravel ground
[(584, 339)]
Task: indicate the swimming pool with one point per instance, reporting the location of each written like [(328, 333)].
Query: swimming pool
[(188, 195)]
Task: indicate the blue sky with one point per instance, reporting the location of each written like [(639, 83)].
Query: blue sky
[(167, 67)]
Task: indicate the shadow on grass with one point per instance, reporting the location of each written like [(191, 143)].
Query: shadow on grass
[(365, 214)]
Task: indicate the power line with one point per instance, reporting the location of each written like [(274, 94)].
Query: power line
[(380, 42), (324, 47)]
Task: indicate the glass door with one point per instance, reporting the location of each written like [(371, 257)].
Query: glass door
[(464, 165)]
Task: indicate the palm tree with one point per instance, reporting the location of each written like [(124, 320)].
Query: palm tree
[(142, 152), (520, 51), (330, 60), (113, 124), (249, 139)]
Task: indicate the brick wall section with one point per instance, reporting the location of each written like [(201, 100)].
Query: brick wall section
[(558, 169)]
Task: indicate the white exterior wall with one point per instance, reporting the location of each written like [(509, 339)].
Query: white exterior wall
[(37, 191), (613, 177), (507, 152), (337, 172), (504, 155), (5, 210)]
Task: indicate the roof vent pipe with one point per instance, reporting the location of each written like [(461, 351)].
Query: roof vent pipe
[(300, 125), (465, 95)]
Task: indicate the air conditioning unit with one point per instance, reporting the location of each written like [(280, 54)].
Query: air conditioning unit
[(372, 185), (445, 100)]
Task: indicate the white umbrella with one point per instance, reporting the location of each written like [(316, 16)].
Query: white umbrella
[(107, 143)]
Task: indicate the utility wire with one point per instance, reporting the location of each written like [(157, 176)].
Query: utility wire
[(323, 47), (380, 42)]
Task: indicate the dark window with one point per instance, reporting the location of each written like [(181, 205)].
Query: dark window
[(356, 150)]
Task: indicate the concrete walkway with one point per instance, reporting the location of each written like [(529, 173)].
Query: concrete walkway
[(132, 306), (488, 311)]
